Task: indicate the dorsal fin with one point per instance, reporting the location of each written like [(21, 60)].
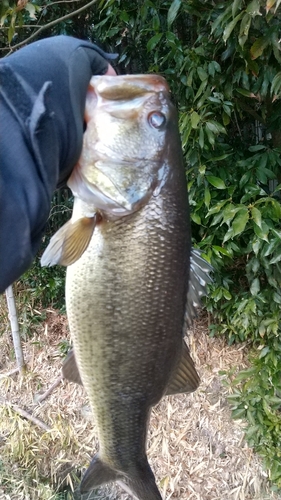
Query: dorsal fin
[(199, 277)]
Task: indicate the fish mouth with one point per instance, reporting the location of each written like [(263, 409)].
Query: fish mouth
[(124, 95), (127, 87)]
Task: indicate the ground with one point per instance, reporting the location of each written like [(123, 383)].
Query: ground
[(195, 448)]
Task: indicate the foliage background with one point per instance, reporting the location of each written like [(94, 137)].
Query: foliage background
[(222, 61)]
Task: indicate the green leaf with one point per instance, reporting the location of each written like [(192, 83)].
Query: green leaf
[(215, 127), (256, 245), (124, 16), (236, 5), (202, 74), (228, 235), (264, 352), (11, 32), (276, 258), (196, 218), (211, 137), (225, 119), (155, 22), (189, 80), (31, 10), (276, 84), (200, 90), (216, 182), (151, 44), (255, 264), (172, 12), (254, 8), (258, 47), (201, 138), (229, 212), (244, 29), (230, 27), (261, 175), (256, 214), (251, 430), (220, 20), (216, 219), (123, 57), (277, 298), (222, 250), (214, 67), (214, 99), (217, 208), (246, 92), (239, 413), (268, 248), (244, 179), (240, 221), (255, 286), (211, 69), (207, 197), (219, 158), (195, 119), (258, 147), (262, 232), (276, 208), (227, 295)]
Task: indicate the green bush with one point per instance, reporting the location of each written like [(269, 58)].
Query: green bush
[(44, 286), (231, 133)]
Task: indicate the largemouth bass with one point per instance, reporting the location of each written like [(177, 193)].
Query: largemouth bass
[(128, 248)]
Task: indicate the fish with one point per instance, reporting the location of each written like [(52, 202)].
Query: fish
[(133, 282)]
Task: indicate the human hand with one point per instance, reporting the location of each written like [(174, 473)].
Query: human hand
[(42, 96)]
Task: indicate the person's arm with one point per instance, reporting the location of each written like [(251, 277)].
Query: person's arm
[(42, 98)]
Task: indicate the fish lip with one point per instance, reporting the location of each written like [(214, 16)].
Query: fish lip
[(109, 87)]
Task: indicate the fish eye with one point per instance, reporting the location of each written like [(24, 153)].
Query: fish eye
[(156, 119)]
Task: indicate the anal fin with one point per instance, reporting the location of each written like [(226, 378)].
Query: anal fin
[(70, 369), (69, 242), (186, 378)]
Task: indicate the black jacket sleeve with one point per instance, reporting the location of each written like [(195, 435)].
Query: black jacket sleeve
[(42, 98)]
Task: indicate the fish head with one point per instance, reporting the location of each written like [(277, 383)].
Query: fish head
[(131, 124)]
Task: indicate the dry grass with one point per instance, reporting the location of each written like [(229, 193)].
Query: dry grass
[(196, 450)]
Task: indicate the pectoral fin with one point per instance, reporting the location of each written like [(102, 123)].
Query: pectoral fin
[(186, 378), (69, 242), (70, 369)]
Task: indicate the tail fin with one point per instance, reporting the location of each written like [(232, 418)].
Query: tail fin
[(142, 482), (145, 489), (97, 473)]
